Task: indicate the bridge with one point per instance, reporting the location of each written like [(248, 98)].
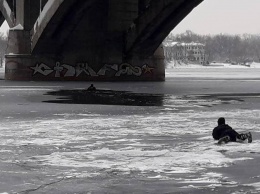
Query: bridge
[(89, 40)]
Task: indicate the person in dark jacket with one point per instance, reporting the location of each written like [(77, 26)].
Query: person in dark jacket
[(91, 88), (224, 133)]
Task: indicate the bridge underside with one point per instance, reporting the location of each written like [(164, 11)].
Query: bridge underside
[(92, 40)]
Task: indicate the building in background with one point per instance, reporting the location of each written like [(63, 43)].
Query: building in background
[(188, 53)]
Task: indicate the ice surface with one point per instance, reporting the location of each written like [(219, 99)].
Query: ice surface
[(213, 65), (171, 142), (157, 146)]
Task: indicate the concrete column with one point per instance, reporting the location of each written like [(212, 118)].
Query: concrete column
[(23, 13), (18, 54), (142, 5), (19, 36), (106, 62)]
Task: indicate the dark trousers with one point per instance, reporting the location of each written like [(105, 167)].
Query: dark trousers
[(233, 135)]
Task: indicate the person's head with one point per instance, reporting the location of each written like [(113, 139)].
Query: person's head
[(91, 85), (221, 121)]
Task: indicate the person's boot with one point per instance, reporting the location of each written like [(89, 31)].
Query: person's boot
[(249, 137), (224, 139)]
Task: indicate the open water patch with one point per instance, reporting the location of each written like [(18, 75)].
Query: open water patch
[(126, 98), (228, 96), (106, 97)]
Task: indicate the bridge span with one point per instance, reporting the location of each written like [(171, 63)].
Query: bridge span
[(89, 40)]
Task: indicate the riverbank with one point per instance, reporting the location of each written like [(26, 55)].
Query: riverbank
[(212, 65)]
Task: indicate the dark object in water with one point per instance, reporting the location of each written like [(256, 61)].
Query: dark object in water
[(106, 97)]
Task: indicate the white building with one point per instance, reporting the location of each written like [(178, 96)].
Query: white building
[(185, 52)]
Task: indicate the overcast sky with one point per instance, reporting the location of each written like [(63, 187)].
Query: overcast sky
[(223, 16), (4, 28), (219, 16)]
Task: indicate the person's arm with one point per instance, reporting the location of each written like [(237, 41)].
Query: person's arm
[(215, 134), (233, 130)]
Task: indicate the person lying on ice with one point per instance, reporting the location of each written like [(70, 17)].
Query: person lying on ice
[(224, 133)]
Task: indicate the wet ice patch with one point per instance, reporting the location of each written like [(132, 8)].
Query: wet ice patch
[(106, 97), (256, 185)]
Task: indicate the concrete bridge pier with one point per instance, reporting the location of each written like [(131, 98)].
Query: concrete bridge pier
[(99, 57), (22, 65), (89, 40), (18, 54), (153, 67)]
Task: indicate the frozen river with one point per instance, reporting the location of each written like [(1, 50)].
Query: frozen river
[(157, 140)]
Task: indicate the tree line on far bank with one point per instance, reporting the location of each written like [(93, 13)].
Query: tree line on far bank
[(224, 47), (221, 47)]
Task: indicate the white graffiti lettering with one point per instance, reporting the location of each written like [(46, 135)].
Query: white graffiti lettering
[(58, 69), (70, 70), (84, 68), (106, 68), (127, 69), (42, 69), (65, 70), (147, 69)]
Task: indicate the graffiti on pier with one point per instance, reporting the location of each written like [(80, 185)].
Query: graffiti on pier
[(126, 69), (66, 70), (42, 69)]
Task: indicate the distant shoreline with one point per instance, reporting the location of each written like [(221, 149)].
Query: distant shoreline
[(212, 65)]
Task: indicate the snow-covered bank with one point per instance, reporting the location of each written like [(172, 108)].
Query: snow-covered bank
[(202, 72), (2, 72), (254, 65), (211, 65)]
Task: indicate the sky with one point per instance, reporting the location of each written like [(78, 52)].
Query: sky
[(223, 16), (218, 16), (4, 28)]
